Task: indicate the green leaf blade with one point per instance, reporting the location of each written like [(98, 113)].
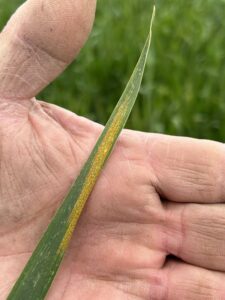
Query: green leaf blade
[(38, 274)]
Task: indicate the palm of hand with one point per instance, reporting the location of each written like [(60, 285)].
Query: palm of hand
[(44, 152), (120, 247)]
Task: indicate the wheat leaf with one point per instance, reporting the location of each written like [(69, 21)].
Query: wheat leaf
[(37, 276)]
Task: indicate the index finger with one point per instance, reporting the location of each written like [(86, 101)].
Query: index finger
[(188, 170)]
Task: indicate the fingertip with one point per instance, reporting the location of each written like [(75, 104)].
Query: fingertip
[(39, 41)]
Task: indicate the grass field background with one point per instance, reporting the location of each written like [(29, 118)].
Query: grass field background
[(183, 92)]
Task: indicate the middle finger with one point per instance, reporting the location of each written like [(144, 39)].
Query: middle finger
[(196, 234)]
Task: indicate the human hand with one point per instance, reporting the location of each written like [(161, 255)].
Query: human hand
[(158, 195)]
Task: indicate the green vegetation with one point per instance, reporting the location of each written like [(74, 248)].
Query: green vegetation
[(36, 278), (184, 87)]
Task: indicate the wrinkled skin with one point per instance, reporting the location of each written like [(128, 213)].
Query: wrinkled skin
[(154, 225)]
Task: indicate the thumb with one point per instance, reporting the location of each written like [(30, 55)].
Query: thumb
[(39, 41)]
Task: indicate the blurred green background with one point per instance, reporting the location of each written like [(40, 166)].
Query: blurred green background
[(184, 86)]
